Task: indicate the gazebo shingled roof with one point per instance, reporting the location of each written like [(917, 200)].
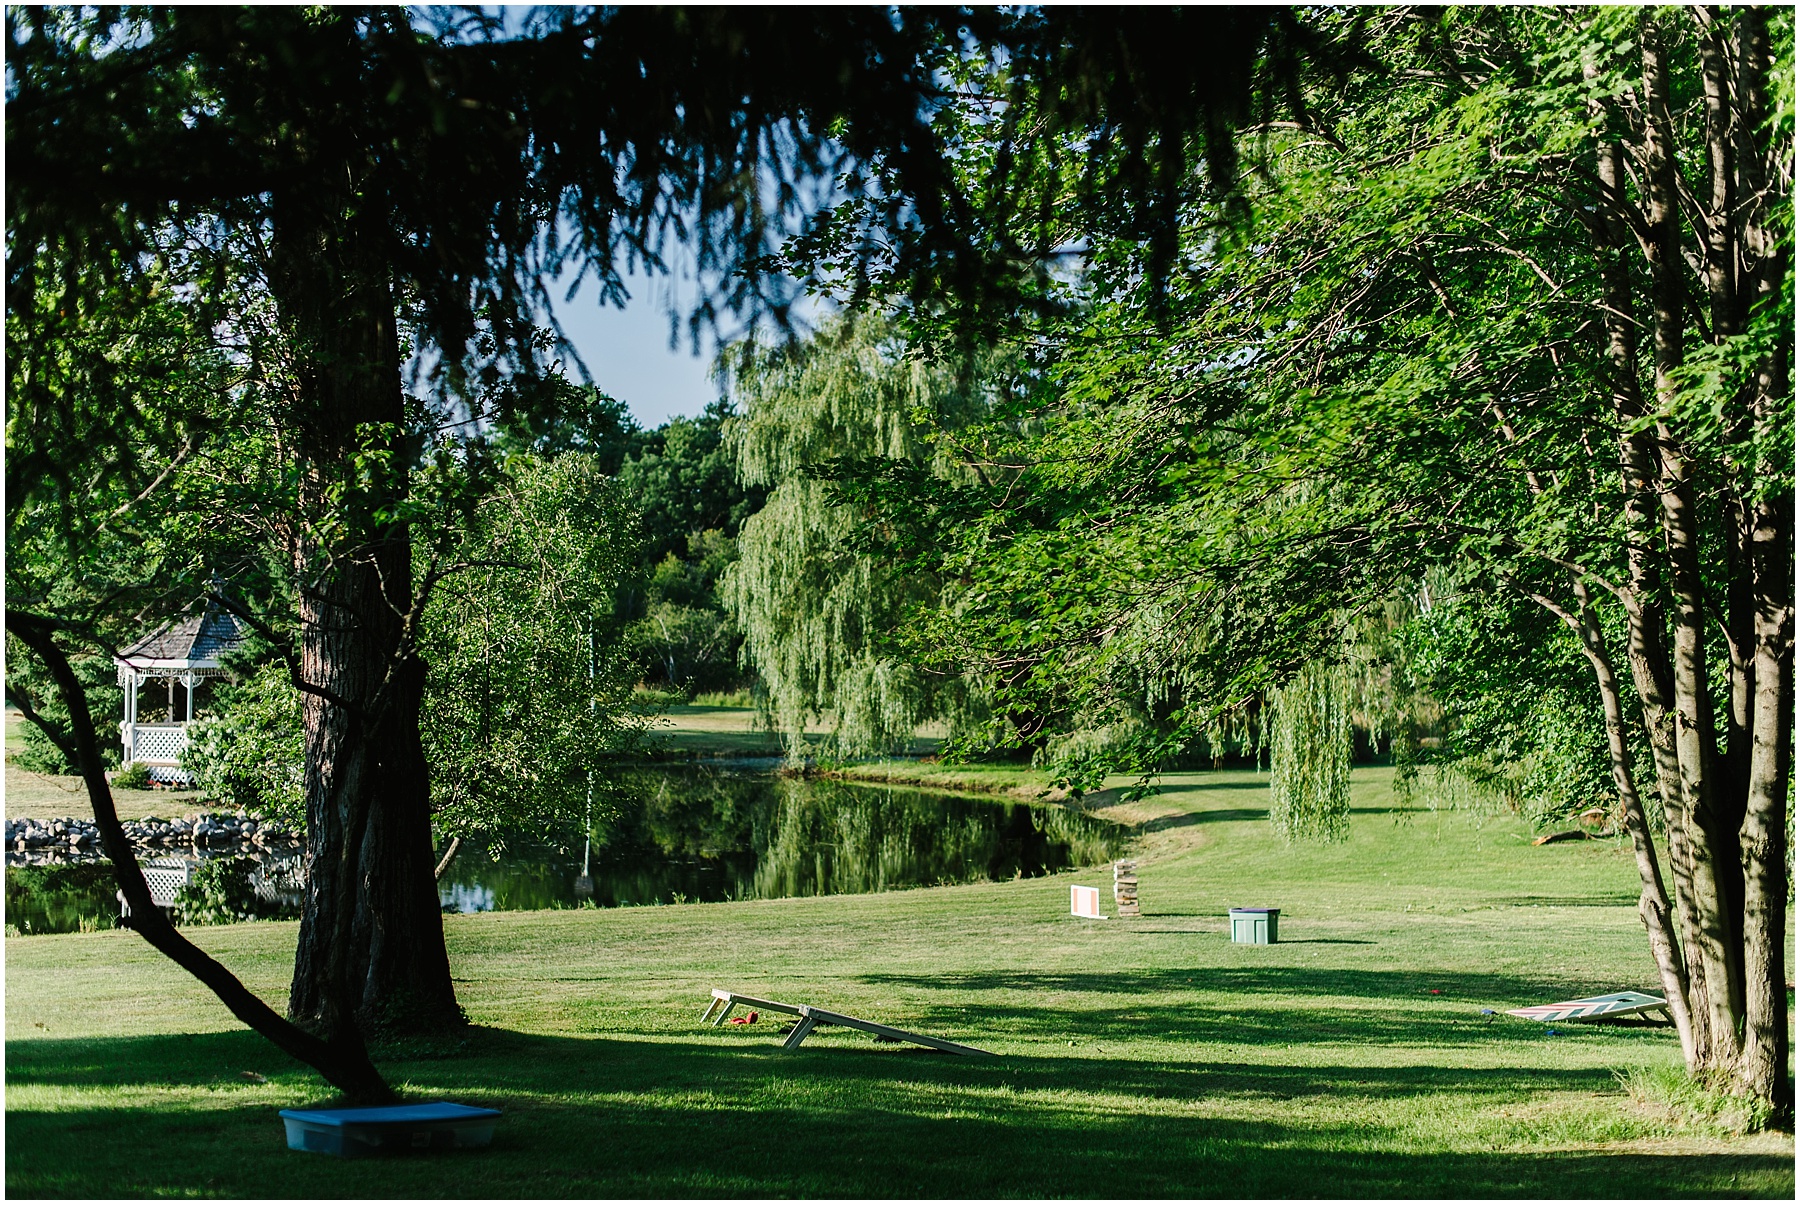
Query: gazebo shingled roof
[(191, 640)]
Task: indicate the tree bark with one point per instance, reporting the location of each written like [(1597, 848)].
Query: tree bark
[(1646, 650), (1721, 252), (342, 1058), (1763, 837), (1713, 873), (371, 951)]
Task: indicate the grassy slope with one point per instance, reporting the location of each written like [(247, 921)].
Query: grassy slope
[(1144, 1057)]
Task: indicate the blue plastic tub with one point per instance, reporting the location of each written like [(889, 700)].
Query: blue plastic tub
[(389, 1129)]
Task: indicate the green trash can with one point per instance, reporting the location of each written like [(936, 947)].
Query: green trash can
[(1255, 926)]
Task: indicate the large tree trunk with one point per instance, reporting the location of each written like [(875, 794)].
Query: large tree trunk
[(1646, 649), (371, 952), (1762, 1071)]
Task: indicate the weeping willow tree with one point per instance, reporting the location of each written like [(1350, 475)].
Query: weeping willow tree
[(817, 592), (1309, 756)]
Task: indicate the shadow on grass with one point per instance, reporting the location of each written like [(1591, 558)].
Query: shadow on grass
[(630, 1118), (1259, 1005), (1205, 787), (1599, 899), (1209, 816)]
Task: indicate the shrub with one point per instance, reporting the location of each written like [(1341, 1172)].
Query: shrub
[(132, 776), (249, 755)]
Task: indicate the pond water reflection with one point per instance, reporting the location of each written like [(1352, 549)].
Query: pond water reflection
[(701, 833)]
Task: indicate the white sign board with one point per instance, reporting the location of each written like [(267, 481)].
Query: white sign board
[(1085, 901)]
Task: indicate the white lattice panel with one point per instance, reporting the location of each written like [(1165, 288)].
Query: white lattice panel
[(164, 882), (160, 744)]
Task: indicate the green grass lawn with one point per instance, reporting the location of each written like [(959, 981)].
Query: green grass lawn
[(48, 795), (1137, 1058)]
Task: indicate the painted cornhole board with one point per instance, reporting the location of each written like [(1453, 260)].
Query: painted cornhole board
[(1085, 902), (1619, 1004), (810, 1016)]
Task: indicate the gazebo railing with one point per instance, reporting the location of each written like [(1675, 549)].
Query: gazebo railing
[(158, 747), (154, 742)]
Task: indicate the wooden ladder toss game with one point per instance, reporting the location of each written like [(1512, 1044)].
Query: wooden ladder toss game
[(809, 1016), (1125, 884)]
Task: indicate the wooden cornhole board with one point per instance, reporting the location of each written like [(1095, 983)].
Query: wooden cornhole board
[(809, 1016), (1594, 1008)]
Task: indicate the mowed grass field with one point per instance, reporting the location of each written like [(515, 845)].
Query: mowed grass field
[(1142, 1057)]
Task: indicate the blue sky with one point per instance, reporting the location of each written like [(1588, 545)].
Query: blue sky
[(627, 352)]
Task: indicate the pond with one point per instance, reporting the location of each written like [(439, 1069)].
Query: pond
[(673, 835)]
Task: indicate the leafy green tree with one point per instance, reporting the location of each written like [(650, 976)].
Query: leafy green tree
[(1309, 756), (684, 637), (128, 441), (37, 751), (1520, 308), (249, 753), (685, 482), (1516, 717), (529, 696), (692, 503), (392, 173), (555, 415)]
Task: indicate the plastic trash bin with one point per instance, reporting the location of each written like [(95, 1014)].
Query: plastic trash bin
[(1255, 926)]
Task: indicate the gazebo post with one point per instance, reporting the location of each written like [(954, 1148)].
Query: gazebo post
[(130, 680)]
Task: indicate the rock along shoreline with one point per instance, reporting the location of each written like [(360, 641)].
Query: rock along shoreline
[(201, 831)]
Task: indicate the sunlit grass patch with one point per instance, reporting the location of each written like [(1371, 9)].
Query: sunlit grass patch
[(1147, 1057)]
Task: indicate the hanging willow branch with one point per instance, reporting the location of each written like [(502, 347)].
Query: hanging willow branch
[(1309, 757)]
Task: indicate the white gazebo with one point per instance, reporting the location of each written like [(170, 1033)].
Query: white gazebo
[(180, 655)]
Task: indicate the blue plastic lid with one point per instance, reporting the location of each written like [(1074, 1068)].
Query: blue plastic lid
[(441, 1110)]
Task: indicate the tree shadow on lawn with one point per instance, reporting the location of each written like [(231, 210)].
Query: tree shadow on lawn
[(1206, 815), (631, 1118), (1261, 1006), (1209, 816), (1423, 986), (1599, 899)]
